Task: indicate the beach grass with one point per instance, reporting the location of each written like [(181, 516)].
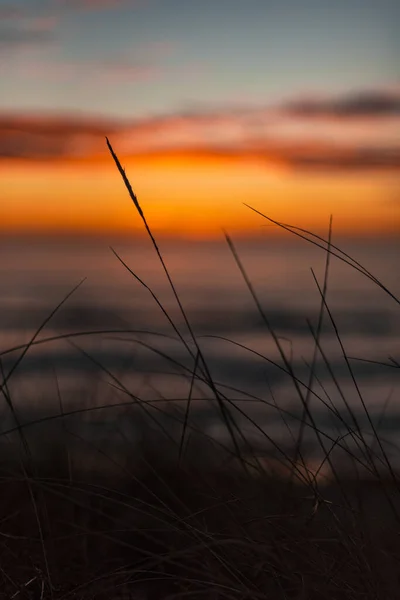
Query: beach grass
[(178, 513)]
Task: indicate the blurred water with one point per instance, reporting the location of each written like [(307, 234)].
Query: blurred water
[(36, 274)]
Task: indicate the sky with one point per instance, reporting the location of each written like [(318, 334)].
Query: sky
[(292, 107)]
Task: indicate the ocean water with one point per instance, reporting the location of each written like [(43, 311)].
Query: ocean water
[(123, 346)]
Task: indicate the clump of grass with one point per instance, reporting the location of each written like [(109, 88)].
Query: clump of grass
[(199, 529), (177, 513)]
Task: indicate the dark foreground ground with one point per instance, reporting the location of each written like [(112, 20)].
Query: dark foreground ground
[(153, 526)]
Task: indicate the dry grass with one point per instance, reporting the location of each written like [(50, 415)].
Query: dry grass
[(183, 516), (193, 530)]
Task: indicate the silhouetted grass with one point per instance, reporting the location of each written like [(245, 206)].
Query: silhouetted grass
[(136, 517), (173, 512)]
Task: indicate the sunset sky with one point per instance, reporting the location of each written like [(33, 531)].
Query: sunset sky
[(290, 106)]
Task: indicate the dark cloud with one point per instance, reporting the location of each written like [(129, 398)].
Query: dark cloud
[(364, 158), (35, 137), (55, 126), (367, 104)]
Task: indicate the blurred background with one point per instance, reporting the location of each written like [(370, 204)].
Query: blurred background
[(290, 107)]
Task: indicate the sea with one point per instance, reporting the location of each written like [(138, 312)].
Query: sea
[(93, 326)]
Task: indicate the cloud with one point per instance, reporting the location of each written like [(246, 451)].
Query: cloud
[(89, 72), (34, 137), (366, 105), (20, 28), (365, 158), (109, 68), (24, 25), (92, 4), (115, 71), (271, 134)]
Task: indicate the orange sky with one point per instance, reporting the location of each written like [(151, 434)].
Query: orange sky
[(293, 110), (191, 195)]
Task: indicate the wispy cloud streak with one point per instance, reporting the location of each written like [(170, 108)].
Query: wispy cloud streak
[(352, 132)]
